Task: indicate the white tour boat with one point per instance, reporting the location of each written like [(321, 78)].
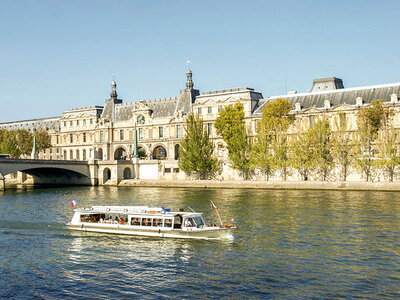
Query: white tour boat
[(147, 221)]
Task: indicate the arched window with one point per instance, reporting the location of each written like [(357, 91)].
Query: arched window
[(159, 152), (120, 154), (141, 152), (100, 154)]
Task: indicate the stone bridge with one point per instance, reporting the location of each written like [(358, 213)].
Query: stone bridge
[(93, 172), (46, 171)]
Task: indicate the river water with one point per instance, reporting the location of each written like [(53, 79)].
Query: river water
[(290, 244)]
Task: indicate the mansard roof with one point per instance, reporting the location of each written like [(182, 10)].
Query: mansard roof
[(160, 108), (51, 123), (339, 96)]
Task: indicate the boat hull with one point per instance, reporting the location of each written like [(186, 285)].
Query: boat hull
[(196, 233)]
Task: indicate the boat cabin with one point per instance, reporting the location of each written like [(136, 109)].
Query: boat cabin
[(142, 217)]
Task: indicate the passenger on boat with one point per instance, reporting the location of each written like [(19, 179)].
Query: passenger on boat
[(189, 222)]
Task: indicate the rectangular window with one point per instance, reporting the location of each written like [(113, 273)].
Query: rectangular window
[(77, 154), (71, 138), (65, 123), (199, 110), (121, 135), (91, 121), (101, 136), (58, 139), (65, 155), (71, 155), (84, 137), (167, 170), (209, 109), (219, 108), (140, 134), (178, 131), (160, 132), (70, 123), (83, 154), (209, 129), (77, 122), (84, 121)]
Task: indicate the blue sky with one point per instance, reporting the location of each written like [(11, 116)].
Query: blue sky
[(58, 55)]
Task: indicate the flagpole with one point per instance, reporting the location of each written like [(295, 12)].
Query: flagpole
[(216, 210)]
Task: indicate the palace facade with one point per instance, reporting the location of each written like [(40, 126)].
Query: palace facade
[(108, 132)]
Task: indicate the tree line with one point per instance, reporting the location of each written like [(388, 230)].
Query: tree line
[(327, 149), (19, 143)]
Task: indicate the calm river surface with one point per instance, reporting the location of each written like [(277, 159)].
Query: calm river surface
[(290, 244)]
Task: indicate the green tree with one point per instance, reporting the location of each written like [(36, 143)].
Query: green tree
[(24, 141), (319, 136), (261, 152), (301, 154), (231, 126), (369, 121), (42, 139), (3, 133), (196, 150), (9, 144), (281, 160), (270, 149), (276, 115), (388, 145), (342, 146)]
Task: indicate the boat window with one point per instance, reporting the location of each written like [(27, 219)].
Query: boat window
[(157, 222), (198, 221), (91, 218), (146, 221), (168, 223), (135, 221), (189, 222)]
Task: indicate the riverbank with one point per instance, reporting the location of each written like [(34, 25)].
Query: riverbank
[(294, 185)]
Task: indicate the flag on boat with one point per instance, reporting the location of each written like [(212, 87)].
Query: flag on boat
[(74, 202), (213, 205)]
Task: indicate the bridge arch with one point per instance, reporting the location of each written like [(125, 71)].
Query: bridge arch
[(49, 171), (43, 167)]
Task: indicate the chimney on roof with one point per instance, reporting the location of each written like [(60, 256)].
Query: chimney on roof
[(327, 84)]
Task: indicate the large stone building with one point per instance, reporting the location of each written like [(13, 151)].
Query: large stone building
[(107, 133)]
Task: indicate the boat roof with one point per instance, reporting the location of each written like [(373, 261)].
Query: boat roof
[(145, 210)]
